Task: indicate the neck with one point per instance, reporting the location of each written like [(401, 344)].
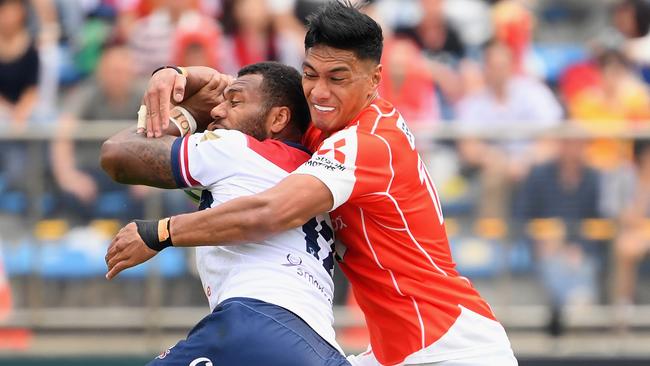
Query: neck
[(289, 135), (372, 98)]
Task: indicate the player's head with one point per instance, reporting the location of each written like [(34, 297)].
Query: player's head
[(342, 69), (265, 101)]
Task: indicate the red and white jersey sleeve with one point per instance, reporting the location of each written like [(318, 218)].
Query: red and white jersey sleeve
[(335, 164)]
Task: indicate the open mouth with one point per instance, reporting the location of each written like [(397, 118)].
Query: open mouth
[(322, 108)]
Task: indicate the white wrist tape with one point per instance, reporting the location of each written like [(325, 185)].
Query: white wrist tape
[(183, 120), (142, 117)]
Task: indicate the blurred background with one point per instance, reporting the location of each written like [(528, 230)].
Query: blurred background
[(533, 118)]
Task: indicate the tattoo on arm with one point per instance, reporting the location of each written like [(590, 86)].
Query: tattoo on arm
[(135, 159), (155, 156)]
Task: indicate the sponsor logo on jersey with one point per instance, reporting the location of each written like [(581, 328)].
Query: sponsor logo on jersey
[(339, 155), (314, 282), (338, 224), (401, 124), (293, 260), (209, 135), (201, 361), (324, 162), (165, 353)]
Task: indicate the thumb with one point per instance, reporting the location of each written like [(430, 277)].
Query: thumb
[(179, 88)]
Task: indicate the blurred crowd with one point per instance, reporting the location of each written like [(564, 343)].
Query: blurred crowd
[(476, 65)]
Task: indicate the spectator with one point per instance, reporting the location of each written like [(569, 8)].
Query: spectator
[(18, 64), (444, 49), (253, 34), (151, 37), (19, 68), (619, 101), (568, 190), (407, 81), (632, 19), (508, 100), (198, 43), (513, 27), (112, 95), (632, 243)]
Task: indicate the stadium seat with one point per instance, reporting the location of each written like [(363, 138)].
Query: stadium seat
[(169, 263), (478, 258), (19, 257), (13, 202)]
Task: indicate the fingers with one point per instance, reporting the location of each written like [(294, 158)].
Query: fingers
[(163, 115), (119, 267), (179, 88), (223, 81), (149, 101)]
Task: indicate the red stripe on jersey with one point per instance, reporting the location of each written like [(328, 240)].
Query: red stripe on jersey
[(282, 155), (186, 166)]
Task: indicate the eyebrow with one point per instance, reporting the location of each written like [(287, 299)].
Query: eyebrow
[(232, 90), (336, 69)]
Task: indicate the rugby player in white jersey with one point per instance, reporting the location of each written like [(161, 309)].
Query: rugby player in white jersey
[(271, 300)]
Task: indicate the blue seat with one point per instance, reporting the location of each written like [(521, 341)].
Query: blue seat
[(520, 257), (18, 259), (169, 263), (478, 258), (59, 260), (556, 58), (13, 202)]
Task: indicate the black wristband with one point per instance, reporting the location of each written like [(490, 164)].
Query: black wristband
[(178, 69), (155, 233)]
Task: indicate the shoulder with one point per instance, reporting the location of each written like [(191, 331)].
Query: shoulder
[(377, 112), (221, 136)]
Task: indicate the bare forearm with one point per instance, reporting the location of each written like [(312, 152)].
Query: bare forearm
[(235, 221), (131, 158), (25, 105), (289, 204)]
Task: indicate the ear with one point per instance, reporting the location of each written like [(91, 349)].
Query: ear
[(278, 119), (376, 75)]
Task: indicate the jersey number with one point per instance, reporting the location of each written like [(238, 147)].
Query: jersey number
[(313, 229), (426, 180)]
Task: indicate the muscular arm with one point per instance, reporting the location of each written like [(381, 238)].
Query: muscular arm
[(289, 204), (131, 158)]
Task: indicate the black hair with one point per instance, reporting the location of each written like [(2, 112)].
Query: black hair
[(641, 9), (282, 86), (339, 24)]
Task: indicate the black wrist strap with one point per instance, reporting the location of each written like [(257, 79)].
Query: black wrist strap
[(178, 69), (155, 233)]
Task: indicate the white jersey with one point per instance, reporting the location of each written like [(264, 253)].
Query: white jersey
[(292, 269)]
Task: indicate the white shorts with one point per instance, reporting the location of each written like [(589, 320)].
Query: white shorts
[(500, 358)]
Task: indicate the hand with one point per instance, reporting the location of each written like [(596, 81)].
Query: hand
[(158, 96), (167, 86), (209, 96), (126, 250)]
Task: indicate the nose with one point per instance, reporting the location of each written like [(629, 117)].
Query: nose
[(320, 91), (219, 111)]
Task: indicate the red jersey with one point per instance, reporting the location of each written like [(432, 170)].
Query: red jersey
[(393, 246)]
